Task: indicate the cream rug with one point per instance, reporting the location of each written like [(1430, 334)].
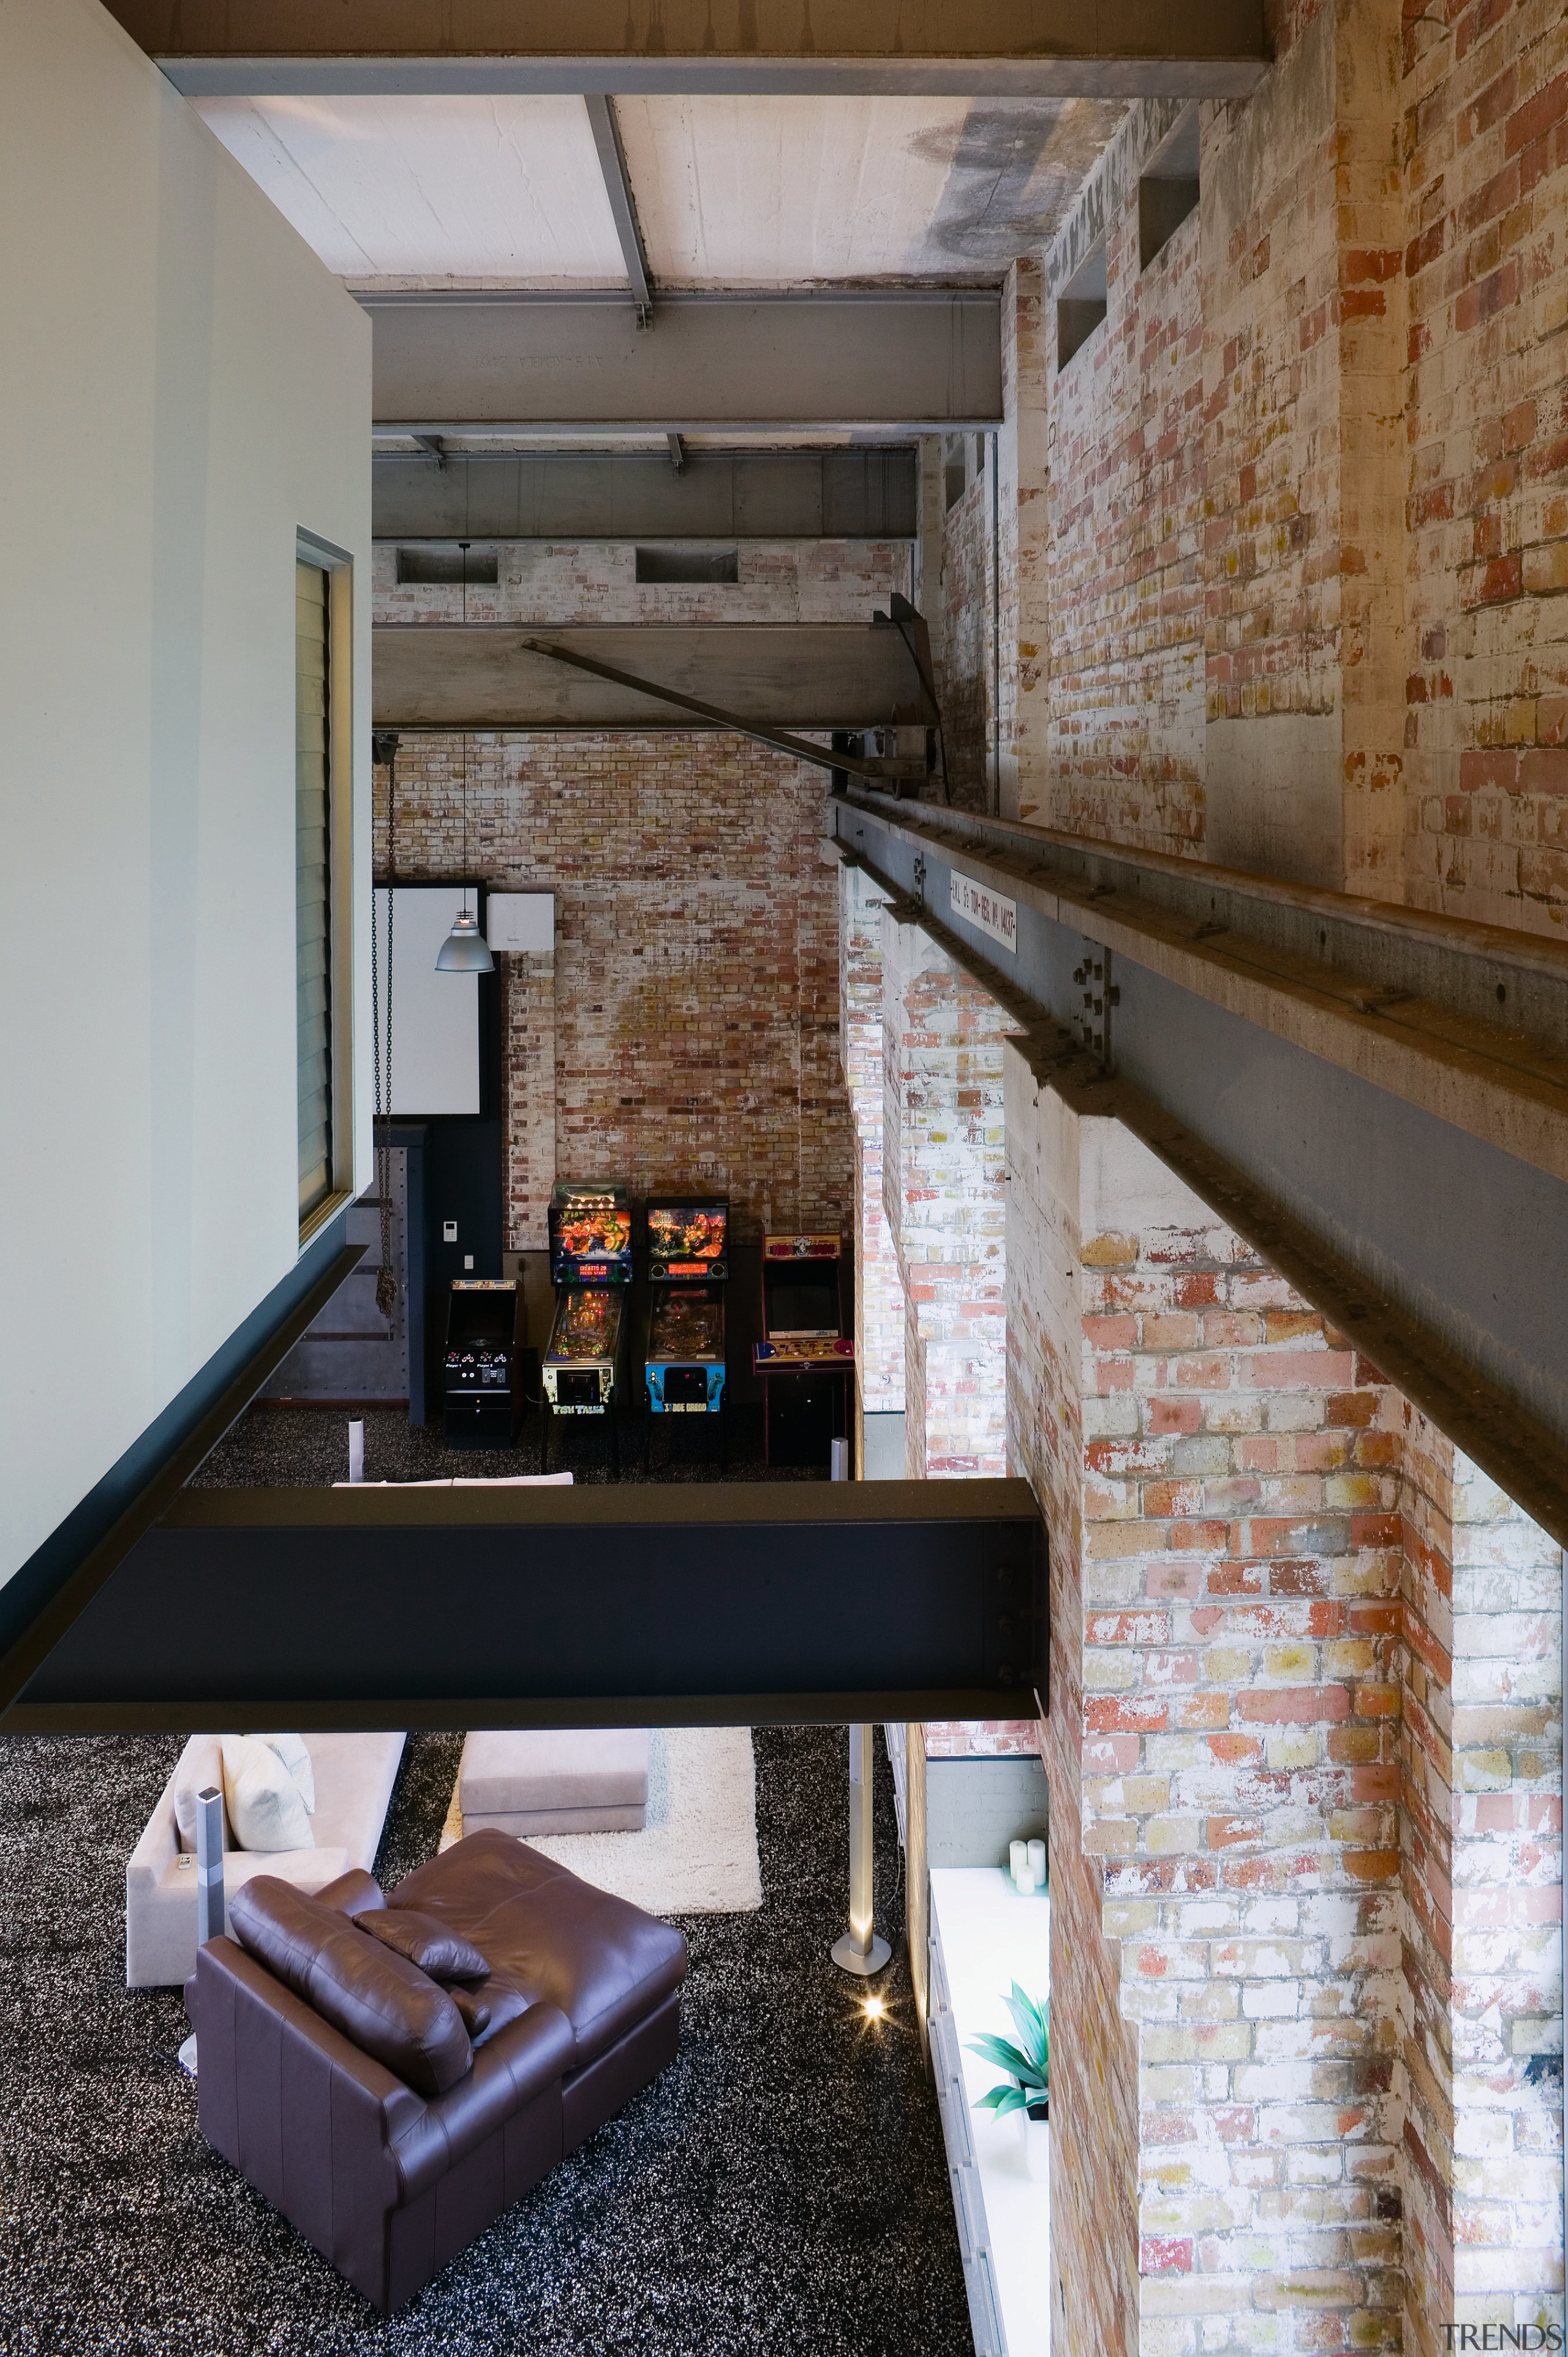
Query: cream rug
[(697, 1853)]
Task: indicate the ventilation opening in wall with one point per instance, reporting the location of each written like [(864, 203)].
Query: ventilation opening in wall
[(436, 563), (1080, 306), (688, 565), (1167, 191)]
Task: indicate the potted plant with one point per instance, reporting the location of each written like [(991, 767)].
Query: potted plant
[(1026, 2088)]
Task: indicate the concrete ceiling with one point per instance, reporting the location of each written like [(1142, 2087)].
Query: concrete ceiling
[(742, 192)]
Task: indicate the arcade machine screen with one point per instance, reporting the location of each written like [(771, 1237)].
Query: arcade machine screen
[(688, 1240)]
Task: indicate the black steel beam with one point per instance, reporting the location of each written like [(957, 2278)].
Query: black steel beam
[(628, 496), (48, 1593), (1256, 1072), (909, 361), (703, 1604), (1020, 48)]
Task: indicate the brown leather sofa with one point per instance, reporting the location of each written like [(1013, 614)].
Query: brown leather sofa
[(343, 2081)]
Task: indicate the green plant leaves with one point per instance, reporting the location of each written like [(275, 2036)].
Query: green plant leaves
[(1027, 2064)]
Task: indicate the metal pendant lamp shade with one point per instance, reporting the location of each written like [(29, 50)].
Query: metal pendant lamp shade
[(465, 948)]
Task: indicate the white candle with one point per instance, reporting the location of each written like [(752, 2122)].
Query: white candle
[(1018, 1859), (1038, 1863)]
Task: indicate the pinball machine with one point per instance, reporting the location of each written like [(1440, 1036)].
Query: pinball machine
[(482, 1366), (688, 1269), (806, 1358), (590, 1267)]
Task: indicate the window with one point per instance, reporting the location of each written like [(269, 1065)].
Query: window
[(439, 565), (313, 886), (323, 871), (1080, 307), (675, 564), (1168, 189)]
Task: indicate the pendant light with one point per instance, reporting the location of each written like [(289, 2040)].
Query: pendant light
[(465, 948)]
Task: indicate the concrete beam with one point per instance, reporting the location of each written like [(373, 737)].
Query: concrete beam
[(1352, 1087), (625, 495), (914, 361), (987, 49), (784, 675)]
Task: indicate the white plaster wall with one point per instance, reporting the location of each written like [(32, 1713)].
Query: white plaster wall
[(183, 386)]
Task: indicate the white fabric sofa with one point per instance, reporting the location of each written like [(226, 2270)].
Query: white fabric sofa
[(354, 1777)]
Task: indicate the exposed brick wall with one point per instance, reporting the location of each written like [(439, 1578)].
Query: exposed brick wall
[(695, 976), (1481, 1761), (562, 582), (942, 1190), (878, 1295), (1305, 1725), (1124, 742), (1370, 513), (1237, 1493), (965, 680), (1094, 2058), (1484, 156)]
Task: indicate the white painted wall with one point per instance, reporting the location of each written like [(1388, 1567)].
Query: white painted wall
[(183, 386)]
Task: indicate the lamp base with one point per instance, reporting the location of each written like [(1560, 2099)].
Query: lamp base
[(851, 1957)]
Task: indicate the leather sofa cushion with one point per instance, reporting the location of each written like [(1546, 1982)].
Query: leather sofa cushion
[(354, 1893), (381, 2002), (427, 1942), (549, 1936)]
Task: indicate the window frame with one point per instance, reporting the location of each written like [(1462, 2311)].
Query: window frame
[(337, 564)]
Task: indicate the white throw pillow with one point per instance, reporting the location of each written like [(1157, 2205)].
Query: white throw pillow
[(291, 1750), (201, 1765), (267, 1808)]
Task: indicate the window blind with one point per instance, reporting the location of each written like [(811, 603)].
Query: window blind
[(312, 884)]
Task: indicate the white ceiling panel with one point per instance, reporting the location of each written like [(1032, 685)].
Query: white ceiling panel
[(429, 189), (792, 191)]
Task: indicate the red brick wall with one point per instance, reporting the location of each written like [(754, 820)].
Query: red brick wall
[(1484, 156), (1094, 2056), (1125, 731), (1481, 1832), (943, 1188), (966, 666), (1221, 1475), (695, 1018), (878, 1295), (1369, 511)]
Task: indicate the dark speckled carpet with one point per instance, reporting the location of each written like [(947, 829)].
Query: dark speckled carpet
[(781, 2189)]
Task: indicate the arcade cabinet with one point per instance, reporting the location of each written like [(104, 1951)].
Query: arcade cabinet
[(688, 1269), (806, 1359), (590, 1267), (481, 1367)]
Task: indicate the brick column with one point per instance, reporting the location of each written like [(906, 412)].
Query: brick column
[(942, 1190), (1220, 1475), (529, 983), (879, 1295), (1481, 1855)]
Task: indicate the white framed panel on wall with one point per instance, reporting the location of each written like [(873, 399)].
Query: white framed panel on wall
[(434, 1017)]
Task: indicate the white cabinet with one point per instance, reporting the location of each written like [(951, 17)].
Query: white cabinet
[(984, 1937)]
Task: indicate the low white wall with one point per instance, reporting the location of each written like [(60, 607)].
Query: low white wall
[(183, 387)]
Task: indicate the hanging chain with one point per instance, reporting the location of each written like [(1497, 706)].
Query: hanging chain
[(386, 1279)]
